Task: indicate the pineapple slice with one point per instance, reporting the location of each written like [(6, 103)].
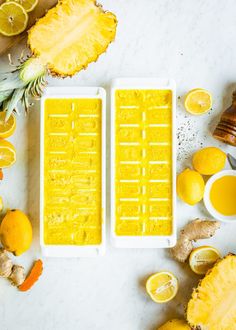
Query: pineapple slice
[(71, 35), (213, 303)]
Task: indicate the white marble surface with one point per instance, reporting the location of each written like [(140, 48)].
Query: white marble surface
[(190, 41)]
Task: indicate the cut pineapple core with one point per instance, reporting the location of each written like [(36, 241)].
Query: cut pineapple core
[(213, 304), (71, 35)]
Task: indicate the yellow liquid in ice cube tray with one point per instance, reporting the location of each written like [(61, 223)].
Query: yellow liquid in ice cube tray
[(143, 162), (72, 171)]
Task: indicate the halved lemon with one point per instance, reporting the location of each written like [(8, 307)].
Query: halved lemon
[(7, 128), (203, 258), (7, 154), (13, 18), (198, 101), (29, 5), (162, 287)]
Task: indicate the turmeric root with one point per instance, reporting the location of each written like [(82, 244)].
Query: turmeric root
[(193, 231), (33, 276)]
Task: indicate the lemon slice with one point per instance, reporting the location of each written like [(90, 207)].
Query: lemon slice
[(7, 128), (13, 18), (28, 5), (7, 154), (162, 287), (198, 101), (203, 258), (1, 204)]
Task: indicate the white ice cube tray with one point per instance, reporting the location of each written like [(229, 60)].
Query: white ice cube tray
[(50, 250), (134, 135)]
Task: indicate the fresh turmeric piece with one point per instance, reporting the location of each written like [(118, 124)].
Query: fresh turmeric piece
[(33, 276), (193, 231)]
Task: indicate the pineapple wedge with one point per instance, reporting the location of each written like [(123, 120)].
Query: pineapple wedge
[(213, 303), (72, 35), (63, 42)]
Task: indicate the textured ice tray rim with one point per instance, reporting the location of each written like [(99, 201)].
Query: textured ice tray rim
[(143, 241), (73, 250)]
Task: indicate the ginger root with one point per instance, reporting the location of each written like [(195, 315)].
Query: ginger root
[(5, 264), (17, 275), (14, 273), (193, 231)]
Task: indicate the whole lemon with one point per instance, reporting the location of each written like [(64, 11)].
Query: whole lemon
[(16, 232), (208, 161), (190, 186)]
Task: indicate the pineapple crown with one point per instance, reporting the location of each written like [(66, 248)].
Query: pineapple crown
[(17, 87)]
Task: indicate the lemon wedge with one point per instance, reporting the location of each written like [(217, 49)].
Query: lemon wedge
[(203, 258), (7, 154), (162, 287), (198, 101), (28, 5), (13, 18), (8, 127)]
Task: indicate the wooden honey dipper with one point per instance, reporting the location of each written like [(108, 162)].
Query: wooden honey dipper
[(225, 131)]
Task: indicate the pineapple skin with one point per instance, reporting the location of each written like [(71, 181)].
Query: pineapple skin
[(213, 303), (175, 324), (71, 35)]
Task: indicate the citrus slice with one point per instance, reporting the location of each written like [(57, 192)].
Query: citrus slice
[(7, 128), (203, 258), (1, 204), (198, 101), (162, 287), (13, 18), (28, 5), (7, 153)]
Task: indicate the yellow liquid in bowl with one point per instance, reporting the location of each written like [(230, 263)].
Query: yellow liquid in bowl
[(223, 195), (143, 162), (72, 171)]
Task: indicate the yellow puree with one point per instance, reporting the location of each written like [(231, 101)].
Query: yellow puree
[(143, 162), (72, 171), (223, 195)]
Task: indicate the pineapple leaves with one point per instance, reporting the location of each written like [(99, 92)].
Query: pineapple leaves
[(10, 82), (17, 87), (11, 104)]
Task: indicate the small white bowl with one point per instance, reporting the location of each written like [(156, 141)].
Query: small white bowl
[(207, 200)]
